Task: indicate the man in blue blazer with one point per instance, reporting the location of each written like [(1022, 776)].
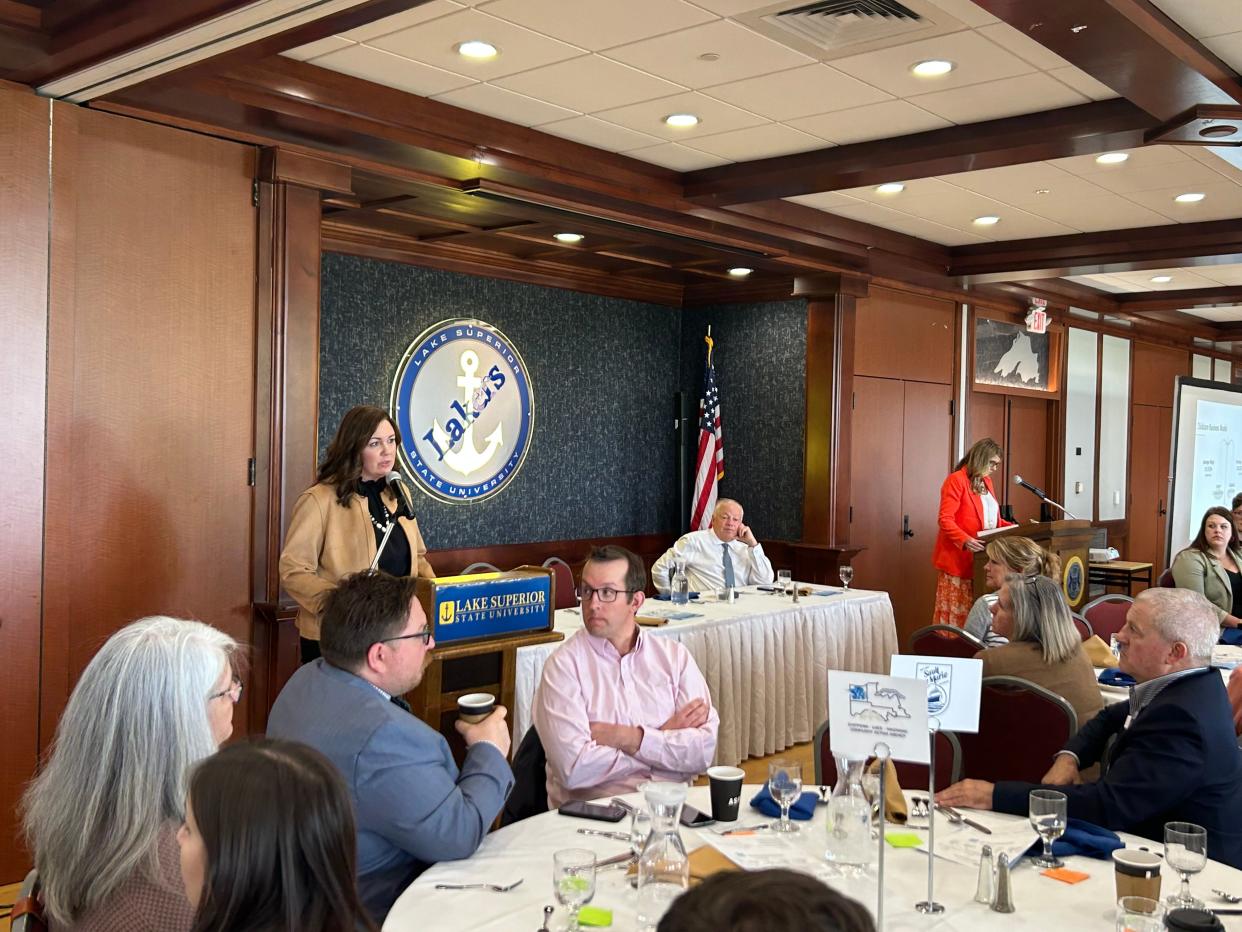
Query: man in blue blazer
[(413, 807), (1175, 758)]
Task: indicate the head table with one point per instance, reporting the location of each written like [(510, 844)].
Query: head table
[(765, 658), (524, 850)]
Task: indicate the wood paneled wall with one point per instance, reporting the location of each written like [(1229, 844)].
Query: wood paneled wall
[(23, 321)]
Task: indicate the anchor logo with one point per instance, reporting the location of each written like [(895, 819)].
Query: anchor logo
[(461, 453)]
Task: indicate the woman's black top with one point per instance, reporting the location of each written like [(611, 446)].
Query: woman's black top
[(395, 560), (1235, 581)]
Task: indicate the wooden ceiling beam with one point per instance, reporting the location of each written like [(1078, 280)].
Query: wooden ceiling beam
[(1130, 46), (1181, 299), (1080, 130)]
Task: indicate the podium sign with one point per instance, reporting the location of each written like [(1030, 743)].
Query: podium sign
[(487, 606)]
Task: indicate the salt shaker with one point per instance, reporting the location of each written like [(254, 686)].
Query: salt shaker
[(984, 888), (1003, 903)]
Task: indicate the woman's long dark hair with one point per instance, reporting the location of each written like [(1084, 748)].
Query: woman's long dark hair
[(342, 464), (1200, 542), (278, 828)]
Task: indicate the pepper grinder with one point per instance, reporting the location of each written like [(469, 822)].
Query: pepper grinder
[(1003, 903), (985, 887)]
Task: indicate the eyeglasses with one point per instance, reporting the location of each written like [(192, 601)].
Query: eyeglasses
[(605, 595), (234, 692), (425, 635)]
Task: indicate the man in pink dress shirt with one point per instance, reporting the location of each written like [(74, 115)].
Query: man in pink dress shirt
[(617, 705)]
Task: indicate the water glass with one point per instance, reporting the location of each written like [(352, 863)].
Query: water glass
[(640, 828), (784, 579), (785, 786), (846, 572), (1048, 810), (1139, 914), (573, 880), (1185, 850)]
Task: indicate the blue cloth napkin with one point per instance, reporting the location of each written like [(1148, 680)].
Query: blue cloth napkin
[(1084, 838), (668, 596), (1232, 636), (1114, 677), (802, 810)]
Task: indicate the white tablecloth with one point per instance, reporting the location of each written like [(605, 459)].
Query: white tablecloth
[(524, 850), (765, 659)]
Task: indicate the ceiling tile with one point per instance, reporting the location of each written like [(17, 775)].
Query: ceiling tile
[(977, 59), (1182, 279), (434, 43), (1223, 202), (648, 117), (504, 105), (756, 142), (967, 11), (1023, 46), (826, 200), (1228, 47), (1147, 156), (1210, 156), (1188, 174), (1204, 17), (1027, 93), (371, 64), (677, 157), (1083, 83), (588, 83), (399, 21), (1218, 314), (315, 49), (731, 7), (1018, 184), (874, 121), (797, 92), (676, 57), (1102, 282), (599, 24), (599, 133), (903, 223), (955, 207), (1092, 214), (1229, 274), (918, 188)]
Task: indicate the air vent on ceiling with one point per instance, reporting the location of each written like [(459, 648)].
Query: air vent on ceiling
[(835, 24)]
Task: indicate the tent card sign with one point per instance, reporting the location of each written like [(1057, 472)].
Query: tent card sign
[(865, 709), (953, 685)]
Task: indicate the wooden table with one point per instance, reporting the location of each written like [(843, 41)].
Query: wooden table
[(1120, 573)]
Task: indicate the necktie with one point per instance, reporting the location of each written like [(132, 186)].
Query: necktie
[(400, 703), (728, 567)]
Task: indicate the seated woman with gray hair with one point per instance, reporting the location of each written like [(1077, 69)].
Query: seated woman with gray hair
[(1007, 555), (1044, 646), (102, 816)]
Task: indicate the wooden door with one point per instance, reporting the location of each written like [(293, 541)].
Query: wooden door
[(1026, 455), (1150, 430), (926, 453), (876, 467)]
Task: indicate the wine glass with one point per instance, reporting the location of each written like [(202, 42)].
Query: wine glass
[(1139, 914), (784, 578), (785, 786), (871, 789), (846, 572), (640, 828), (1185, 850), (573, 880), (1048, 814)]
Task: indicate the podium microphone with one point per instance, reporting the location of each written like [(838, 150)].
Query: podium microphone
[(402, 491), (1043, 496)]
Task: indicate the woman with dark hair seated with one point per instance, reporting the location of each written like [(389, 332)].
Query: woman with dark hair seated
[(774, 900), (268, 843), (1044, 646), (1212, 565)]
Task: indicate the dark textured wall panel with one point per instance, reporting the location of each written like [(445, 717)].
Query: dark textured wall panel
[(604, 372), (760, 361)]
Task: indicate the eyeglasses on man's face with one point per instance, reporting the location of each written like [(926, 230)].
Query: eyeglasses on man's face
[(424, 636), (607, 594), (234, 692)]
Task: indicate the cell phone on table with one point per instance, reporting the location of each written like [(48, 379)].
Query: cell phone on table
[(584, 810), (692, 818)]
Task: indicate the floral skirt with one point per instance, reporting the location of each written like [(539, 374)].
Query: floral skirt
[(954, 597)]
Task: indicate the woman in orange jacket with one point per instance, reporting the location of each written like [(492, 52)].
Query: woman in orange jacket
[(968, 505)]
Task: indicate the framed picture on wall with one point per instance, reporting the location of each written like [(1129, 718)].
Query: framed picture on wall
[(1011, 360)]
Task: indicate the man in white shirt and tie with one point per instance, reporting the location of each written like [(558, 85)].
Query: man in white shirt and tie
[(726, 554)]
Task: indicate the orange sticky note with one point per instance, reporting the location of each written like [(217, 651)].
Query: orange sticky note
[(1065, 875)]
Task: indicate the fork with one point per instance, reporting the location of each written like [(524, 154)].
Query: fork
[(494, 887)]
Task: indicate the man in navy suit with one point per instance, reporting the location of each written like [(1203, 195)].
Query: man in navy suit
[(413, 807), (1175, 758)]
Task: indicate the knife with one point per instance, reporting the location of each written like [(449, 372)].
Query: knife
[(949, 810), (616, 859), (619, 836), (746, 828)]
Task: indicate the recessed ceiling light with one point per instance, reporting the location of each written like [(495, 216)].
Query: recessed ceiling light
[(681, 120), (932, 68), (1043, 190), (1112, 158), (1162, 279), (740, 271), (477, 49), (1190, 197), (890, 187), (568, 237), (986, 221)]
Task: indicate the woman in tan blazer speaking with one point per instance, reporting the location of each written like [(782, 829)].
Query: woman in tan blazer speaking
[(338, 523), (1211, 565)]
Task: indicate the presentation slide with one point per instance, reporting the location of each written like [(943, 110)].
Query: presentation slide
[(1207, 455)]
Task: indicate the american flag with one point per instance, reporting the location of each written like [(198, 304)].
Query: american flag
[(709, 461)]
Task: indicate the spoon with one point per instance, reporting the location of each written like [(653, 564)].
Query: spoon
[(1228, 897), (823, 796), (547, 914)]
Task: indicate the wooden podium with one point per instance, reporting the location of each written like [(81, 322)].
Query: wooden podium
[(1070, 540)]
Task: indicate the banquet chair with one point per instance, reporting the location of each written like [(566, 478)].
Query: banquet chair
[(1085, 631), (1107, 614), (1021, 728), (566, 596), (529, 796), (1166, 580), (910, 776), (944, 641), (27, 915), (479, 567)]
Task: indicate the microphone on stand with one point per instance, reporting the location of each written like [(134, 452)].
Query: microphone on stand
[(1043, 496), (402, 491)]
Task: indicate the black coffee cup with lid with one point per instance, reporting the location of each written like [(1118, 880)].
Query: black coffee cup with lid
[(1192, 920)]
